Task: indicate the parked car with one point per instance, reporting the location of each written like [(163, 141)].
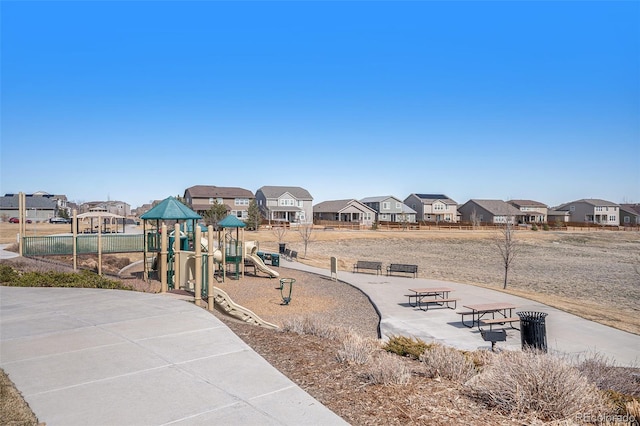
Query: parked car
[(59, 220), (16, 220)]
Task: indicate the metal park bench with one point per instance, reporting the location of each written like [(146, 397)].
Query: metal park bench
[(404, 268), (366, 264)]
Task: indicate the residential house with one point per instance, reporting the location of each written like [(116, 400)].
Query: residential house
[(630, 214), (433, 207), (202, 197), (115, 207), (489, 212), (39, 208), (592, 210), (285, 203), (558, 217), (390, 209), (532, 211), (352, 211)]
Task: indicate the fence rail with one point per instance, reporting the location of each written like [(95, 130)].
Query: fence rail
[(86, 244)]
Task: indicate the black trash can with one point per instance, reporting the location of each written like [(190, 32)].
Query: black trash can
[(533, 330), (282, 246)]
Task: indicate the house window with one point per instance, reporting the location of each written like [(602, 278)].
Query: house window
[(612, 218), (627, 219), (287, 202), (386, 205), (241, 201), (397, 205), (572, 208), (212, 200)]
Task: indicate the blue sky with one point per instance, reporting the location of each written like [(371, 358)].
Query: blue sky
[(136, 101)]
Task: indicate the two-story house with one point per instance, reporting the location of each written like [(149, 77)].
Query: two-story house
[(39, 208), (489, 211), (390, 209), (532, 211), (630, 214), (285, 203), (592, 210), (352, 211), (200, 198), (433, 207)]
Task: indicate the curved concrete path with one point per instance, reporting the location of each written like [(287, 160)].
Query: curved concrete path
[(109, 357), (566, 333)]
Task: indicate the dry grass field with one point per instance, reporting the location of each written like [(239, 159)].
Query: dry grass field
[(593, 274)]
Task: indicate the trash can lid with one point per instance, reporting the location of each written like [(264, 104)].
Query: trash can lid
[(531, 315)]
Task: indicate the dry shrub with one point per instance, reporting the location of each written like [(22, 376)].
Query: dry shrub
[(387, 369), (314, 326), (528, 383), (633, 409), (406, 346), (449, 363), (607, 376), (356, 349)]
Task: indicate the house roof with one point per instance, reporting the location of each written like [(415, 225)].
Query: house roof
[(36, 202), (210, 191), (379, 199), (526, 203), (497, 207), (407, 209), (558, 213), (632, 209), (170, 209), (596, 202), (277, 191), (435, 197), (334, 206)]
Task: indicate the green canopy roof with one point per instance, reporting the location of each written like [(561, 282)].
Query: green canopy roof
[(231, 222), (170, 209)]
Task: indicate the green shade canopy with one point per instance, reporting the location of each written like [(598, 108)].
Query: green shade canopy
[(171, 209), (231, 222)]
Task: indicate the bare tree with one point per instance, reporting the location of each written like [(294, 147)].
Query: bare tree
[(508, 247), (279, 231), (403, 218), (475, 220), (306, 233)]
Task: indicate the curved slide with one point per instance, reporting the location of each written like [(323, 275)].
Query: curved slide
[(251, 249)]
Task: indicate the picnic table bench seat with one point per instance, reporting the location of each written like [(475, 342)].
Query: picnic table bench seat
[(402, 267), (492, 321), (426, 301), (367, 264)]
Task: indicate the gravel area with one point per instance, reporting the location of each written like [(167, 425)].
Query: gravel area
[(333, 302)]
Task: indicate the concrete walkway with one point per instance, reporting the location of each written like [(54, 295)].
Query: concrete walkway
[(566, 333), (108, 357)]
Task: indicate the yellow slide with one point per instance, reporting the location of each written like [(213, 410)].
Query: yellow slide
[(250, 254)]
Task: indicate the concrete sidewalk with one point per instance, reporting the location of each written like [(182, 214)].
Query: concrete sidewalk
[(566, 333), (109, 357)]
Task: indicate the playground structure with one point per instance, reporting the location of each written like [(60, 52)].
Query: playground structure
[(180, 264)]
